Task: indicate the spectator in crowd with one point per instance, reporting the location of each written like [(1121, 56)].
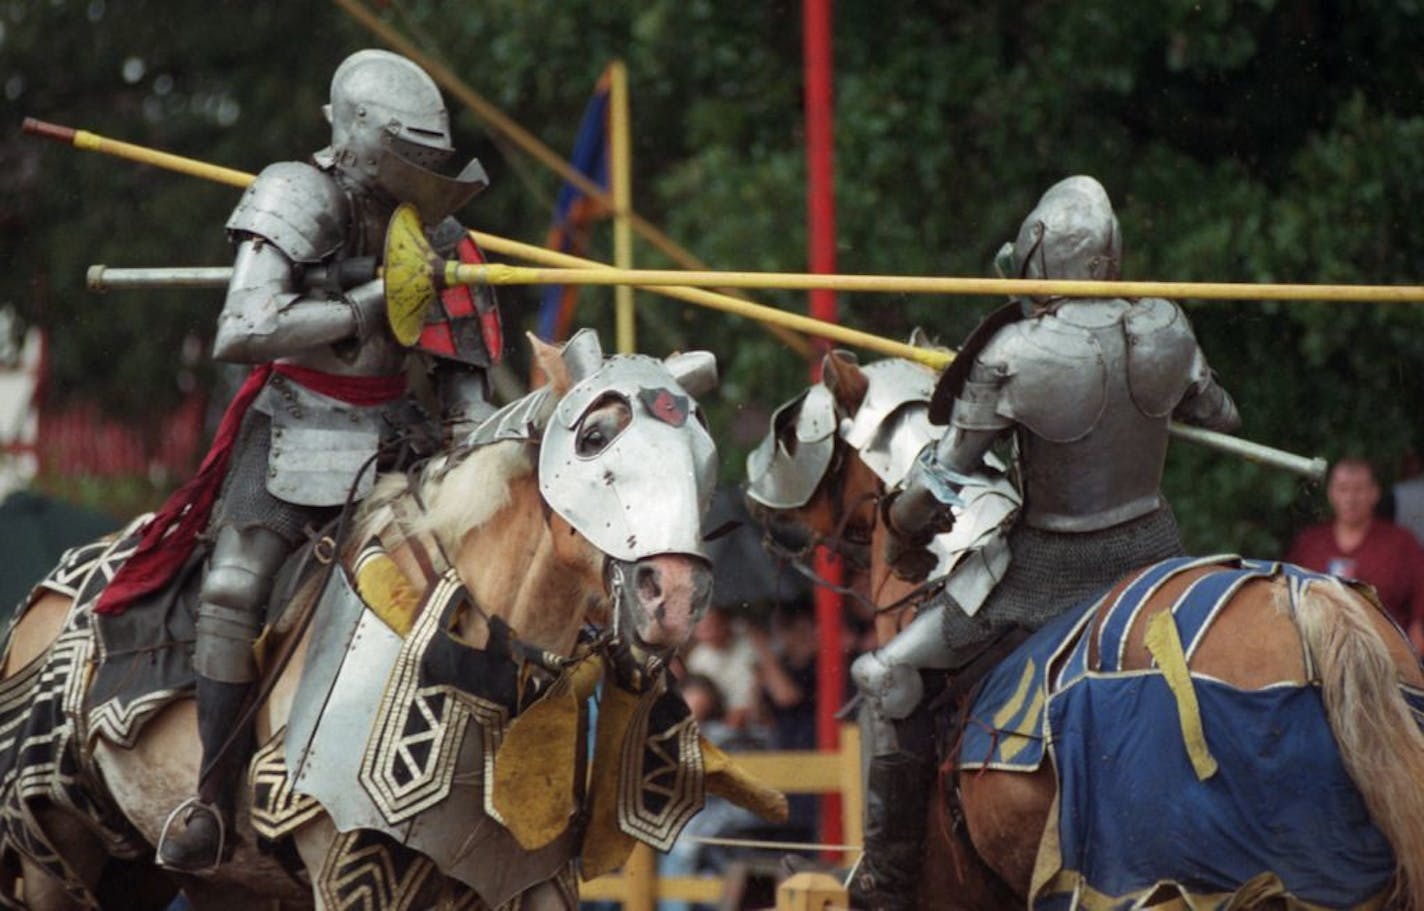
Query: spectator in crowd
[(1357, 544), (1409, 498), (786, 672), (721, 652), (719, 817), (708, 707)]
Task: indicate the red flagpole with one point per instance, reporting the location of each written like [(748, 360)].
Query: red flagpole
[(821, 221)]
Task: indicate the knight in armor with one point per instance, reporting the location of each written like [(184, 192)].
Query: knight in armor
[(330, 389), (1085, 389)]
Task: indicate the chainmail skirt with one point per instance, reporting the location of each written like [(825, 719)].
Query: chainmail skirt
[(1050, 572), (245, 502)]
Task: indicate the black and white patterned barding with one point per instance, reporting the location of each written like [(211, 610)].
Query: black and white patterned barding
[(1050, 572), (43, 758)]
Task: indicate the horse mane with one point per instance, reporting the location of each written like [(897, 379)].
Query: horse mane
[(460, 491)]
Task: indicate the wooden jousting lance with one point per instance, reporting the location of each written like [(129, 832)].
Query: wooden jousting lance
[(417, 270)]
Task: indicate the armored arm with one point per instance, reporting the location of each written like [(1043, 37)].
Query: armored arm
[(291, 218), (265, 316), (1206, 403), (922, 508)]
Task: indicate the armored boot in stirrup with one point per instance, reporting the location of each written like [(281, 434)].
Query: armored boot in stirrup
[(198, 834), (897, 793)]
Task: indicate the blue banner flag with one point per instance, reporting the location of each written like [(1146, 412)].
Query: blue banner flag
[(574, 212)]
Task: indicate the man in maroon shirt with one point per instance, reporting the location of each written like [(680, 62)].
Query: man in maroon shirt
[(1356, 544)]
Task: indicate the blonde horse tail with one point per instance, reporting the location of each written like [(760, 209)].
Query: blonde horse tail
[(1379, 739)]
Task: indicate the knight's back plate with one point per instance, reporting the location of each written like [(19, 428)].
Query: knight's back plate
[(1160, 353)]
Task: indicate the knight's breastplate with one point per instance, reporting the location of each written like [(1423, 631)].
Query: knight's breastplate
[(1098, 462)]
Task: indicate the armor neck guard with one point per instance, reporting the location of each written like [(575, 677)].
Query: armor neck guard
[(1090, 313)]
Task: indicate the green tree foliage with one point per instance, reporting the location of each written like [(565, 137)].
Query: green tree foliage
[(1241, 140), (232, 83)]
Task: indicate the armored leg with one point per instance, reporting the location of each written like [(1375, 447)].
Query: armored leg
[(232, 600), (898, 790)]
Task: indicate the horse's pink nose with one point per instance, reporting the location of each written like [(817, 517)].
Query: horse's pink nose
[(673, 592)]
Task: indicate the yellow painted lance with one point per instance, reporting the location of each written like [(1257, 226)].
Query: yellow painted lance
[(415, 274), (422, 272), (93, 142)]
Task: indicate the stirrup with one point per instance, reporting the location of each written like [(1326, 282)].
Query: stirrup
[(192, 806)]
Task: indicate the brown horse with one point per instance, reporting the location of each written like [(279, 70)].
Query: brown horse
[(996, 851), (517, 555)]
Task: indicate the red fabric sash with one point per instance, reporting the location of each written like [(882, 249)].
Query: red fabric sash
[(353, 390), (172, 534)]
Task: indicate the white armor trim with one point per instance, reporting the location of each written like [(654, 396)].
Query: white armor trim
[(351, 665), (900, 389), (433, 194), (295, 207), (975, 554), (1072, 233), (522, 419), (377, 95), (252, 306)]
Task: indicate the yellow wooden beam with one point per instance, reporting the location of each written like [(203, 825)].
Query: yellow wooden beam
[(852, 786), (794, 771), (614, 887), (620, 172)]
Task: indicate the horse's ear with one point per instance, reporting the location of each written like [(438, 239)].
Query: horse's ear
[(695, 371), (840, 371), (550, 361), (919, 338)]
